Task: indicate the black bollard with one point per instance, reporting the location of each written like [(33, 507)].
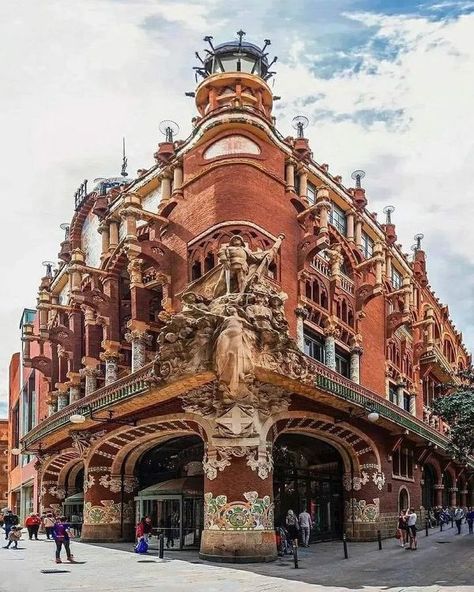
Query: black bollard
[(295, 553), (161, 551), (452, 523), (344, 544), (440, 526), (426, 527), (379, 539)]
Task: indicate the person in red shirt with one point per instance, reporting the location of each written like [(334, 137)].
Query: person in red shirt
[(32, 524)]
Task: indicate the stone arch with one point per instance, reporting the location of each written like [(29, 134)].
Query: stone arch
[(52, 491), (68, 474), (403, 493)]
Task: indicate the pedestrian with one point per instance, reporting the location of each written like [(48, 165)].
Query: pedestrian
[(62, 535), (458, 518), (32, 524), (292, 525), (48, 523), (411, 523), (470, 519), (306, 524), (144, 529), (14, 535), (402, 528), (9, 520)]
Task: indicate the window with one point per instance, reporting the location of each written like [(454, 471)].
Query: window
[(311, 193), (396, 279), (392, 394), (402, 460), (338, 219), (313, 346), (406, 402), (342, 363), (367, 245)]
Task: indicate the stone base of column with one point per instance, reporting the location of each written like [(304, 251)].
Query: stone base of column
[(367, 531), (251, 546), (104, 533)]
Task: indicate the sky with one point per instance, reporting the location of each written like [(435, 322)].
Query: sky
[(388, 87)]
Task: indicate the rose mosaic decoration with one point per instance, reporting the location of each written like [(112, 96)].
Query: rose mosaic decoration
[(361, 511), (252, 514), (108, 513)]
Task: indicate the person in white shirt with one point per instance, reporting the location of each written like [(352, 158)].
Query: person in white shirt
[(306, 524), (411, 523)]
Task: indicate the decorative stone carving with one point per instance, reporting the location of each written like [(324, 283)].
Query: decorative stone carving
[(379, 480), (253, 513), (354, 483), (109, 512), (115, 483), (82, 440), (261, 461), (218, 458)]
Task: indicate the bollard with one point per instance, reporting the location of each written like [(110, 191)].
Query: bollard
[(426, 527), (295, 553), (379, 539), (161, 552), (440, 526), (452, 523), (344, 544)]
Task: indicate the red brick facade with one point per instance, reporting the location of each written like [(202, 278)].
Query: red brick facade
[(350, 294)]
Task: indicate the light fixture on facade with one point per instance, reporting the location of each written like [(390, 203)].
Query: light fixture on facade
[(78, 418), (15, 451), (367, 412), (373, 416)]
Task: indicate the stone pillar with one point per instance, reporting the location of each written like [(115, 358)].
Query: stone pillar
[(109, 509), (452, 497), (178, 179), (165, 187), (113, 234), (439, 487), (110, 356), (139, 339), (400, 388), (303, 185), (74, 386), (323, 207), (430, 322), (104, 231), (52, 402), (331, 332), (238, 508), (63, 395), (89, 373), (413, 403), (301, 314), (356, 352), (379, 261), (350, 226), (388, 266), (290, 175), (358, 233)]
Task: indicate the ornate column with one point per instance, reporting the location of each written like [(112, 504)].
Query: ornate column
[(139, 339), (113, 234), (379, 261), (165, 187), (178, 179), (413, 395), (52, 402), (358, 233), (350, 225), (301, 314), (89, 373), (323, 207), (331, 332), (104, 232), (110, 356), (303, 175), (63, 395), (388, 266), (238, 505), (439, 487), (356, 352), (74, 386)]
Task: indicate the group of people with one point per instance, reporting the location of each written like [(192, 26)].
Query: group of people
[(456, 514), (297, 528), (406, 530), (55, 527)]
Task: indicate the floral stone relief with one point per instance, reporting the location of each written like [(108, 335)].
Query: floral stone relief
[(361, 511), (109, 512), (253, 513)]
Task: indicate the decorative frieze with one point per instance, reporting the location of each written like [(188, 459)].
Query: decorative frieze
[(252, 513), (360, 510)]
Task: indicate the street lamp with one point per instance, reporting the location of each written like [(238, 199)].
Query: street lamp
[(78, 418)]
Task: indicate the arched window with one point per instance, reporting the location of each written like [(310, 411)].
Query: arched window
[(196, 271), (209, 262)]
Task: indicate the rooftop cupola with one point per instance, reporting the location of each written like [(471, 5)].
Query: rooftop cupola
[(235, 76)]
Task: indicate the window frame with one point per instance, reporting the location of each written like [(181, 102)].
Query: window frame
[(368, 244), (338, 219)]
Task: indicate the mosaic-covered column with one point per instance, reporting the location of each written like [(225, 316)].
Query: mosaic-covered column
[(63, 395), (109, 511), (74, 386), (301, 314), (139, 339), (89, 374), (238, 505), (400, 392), (110, 356), (331, 332), (356, 352)]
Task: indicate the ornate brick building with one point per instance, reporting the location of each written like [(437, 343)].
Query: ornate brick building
[(233, 334)]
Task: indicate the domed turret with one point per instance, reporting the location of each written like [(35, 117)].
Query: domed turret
[(235, 75)]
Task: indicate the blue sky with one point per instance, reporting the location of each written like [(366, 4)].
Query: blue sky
[(387, 86)]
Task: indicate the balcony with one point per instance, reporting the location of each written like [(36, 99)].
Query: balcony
[(322, 266), (440, 366)]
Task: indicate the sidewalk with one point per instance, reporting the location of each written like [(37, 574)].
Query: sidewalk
[(443, 563)]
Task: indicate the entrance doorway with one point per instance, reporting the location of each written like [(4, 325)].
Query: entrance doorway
[(403, 500), (308, 475), (171, 491), (428, 487)]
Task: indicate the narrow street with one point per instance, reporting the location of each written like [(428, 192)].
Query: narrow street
[(443, 562)]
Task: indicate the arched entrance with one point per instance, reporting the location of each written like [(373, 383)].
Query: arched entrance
[(171, 490), (428, 487), (308, 475), (403, 499)]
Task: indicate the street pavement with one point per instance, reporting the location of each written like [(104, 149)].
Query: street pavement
[(444, 562)]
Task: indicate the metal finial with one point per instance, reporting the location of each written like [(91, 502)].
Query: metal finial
[(49, 267), (357, 176), (419, 237), (388, 210), (300, 123), (124, 160), (65, 226), (169, 129)]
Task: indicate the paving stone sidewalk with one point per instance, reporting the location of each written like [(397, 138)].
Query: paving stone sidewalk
[(443, 563)]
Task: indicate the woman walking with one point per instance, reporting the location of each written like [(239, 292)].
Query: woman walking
[(32, 524), (292, 526), (62, 536), (48, 523)]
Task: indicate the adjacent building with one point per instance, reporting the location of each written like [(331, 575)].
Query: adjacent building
[(234, 334)]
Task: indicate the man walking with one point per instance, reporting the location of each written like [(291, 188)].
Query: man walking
[(411, 523), (306, 524), (9, 520), (458, 516), (470, 519)]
